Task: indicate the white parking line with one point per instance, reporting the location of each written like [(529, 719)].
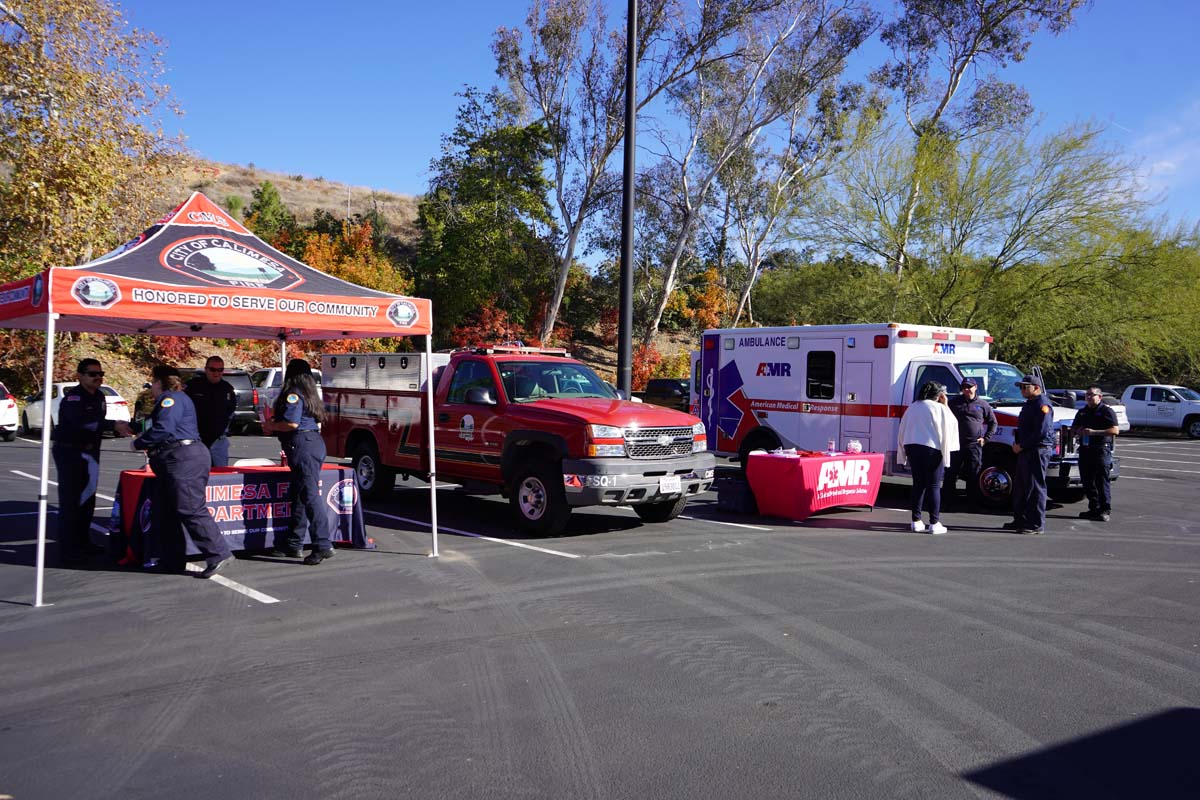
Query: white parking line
[(253, 594), (1157, 460), (1138, 478), (730, 524), (1156, 469), (473, 535), (55, 483)]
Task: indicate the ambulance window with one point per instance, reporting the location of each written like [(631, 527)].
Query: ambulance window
[(935, 372), (820, 374), (696, 377), (469, 375), (1139, 393)]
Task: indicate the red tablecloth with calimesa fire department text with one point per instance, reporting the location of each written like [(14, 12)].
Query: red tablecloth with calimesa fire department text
[(795, 486)]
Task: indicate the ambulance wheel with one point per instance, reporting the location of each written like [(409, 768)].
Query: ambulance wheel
[(1191, 426), (662, 511), (996, 484), (374, 479), (761, 439), (538, 500)]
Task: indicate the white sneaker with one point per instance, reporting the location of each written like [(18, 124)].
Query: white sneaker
[(937, 527), (918, 526)]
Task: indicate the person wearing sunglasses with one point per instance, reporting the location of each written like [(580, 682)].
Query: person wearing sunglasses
[(1095, 426), (216, 402), (76, 436)]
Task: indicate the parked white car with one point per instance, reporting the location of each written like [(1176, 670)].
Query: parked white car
[(31, 418), (267, 383), (1155, 405), (8, 414), (1061, 397)]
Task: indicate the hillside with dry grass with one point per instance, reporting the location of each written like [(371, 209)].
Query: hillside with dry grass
[(301, 194)]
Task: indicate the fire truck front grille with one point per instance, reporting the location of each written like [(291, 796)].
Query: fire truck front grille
[(658, 442)]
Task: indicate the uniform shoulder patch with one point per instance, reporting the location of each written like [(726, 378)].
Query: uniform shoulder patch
[(168, 402), (293, 398), (1045, 409)]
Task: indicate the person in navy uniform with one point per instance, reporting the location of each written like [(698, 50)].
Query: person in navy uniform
[(296, 419), (76, 436), (1033, 445), (1095, 426), (216, 402), (180, 463), (976, 426)]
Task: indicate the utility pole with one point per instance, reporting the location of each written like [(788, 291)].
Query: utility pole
[(625, 320)]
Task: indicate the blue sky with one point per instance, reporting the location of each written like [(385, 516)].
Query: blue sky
[(361, 91)]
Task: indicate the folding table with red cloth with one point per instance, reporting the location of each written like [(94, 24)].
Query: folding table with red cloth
[(249, 505), (796, 486)]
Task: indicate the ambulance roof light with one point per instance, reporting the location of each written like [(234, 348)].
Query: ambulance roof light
[(881, 341), (907, 334)]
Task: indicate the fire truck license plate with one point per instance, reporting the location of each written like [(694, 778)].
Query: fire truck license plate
[(669, 485)]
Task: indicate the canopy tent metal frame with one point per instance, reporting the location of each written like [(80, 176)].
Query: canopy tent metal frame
[(363, 313)]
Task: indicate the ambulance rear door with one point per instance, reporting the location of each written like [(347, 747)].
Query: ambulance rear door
[(857, 411)]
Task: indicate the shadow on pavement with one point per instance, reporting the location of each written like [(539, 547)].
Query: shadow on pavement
[(1150, 757)]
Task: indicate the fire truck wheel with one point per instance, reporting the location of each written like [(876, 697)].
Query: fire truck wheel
[(538, 499), (662, 511), (374, 479)]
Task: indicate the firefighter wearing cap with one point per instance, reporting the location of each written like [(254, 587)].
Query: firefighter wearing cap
[(976, 426), (1096, 425), (1033, 447)]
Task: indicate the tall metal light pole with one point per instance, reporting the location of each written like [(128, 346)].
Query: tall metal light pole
[(625, 323)]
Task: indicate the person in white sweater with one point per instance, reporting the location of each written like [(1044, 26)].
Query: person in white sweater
[(928, 435)]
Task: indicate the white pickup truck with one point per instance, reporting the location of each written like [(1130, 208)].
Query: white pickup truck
[(267, 382), (1152, 405)]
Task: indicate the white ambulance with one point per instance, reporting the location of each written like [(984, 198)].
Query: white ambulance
[(811, 385)]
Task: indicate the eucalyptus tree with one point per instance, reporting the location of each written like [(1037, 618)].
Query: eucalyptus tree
[(782, 61), (936, 46), (568, 68)]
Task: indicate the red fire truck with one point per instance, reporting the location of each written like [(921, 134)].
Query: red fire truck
[(531, 423)]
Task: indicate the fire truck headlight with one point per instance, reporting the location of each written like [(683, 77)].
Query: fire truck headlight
[(606, 432)]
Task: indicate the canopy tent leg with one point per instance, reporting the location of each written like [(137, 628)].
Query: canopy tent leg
[(283, 351), (43, 483), (429, 388)]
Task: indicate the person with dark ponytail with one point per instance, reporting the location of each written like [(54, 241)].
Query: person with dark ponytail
[(928, 435), (296, 419), (180, 462)]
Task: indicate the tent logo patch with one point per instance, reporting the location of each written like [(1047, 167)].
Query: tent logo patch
[(225, 262), (145, 518), (92, 292), (342, 496), (402, 313), (39, 290)]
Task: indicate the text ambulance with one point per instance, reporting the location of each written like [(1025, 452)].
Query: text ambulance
[(809, 385)]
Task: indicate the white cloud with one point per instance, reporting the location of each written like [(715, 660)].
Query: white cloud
[(1170, 156)]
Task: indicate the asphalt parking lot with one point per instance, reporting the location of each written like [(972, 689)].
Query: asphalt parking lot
[(715, 656)]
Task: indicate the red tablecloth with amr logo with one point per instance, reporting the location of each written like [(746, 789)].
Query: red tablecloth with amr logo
[(795, 486)]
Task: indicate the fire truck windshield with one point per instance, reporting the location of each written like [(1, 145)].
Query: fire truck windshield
[(997, 382), (526, 381)]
